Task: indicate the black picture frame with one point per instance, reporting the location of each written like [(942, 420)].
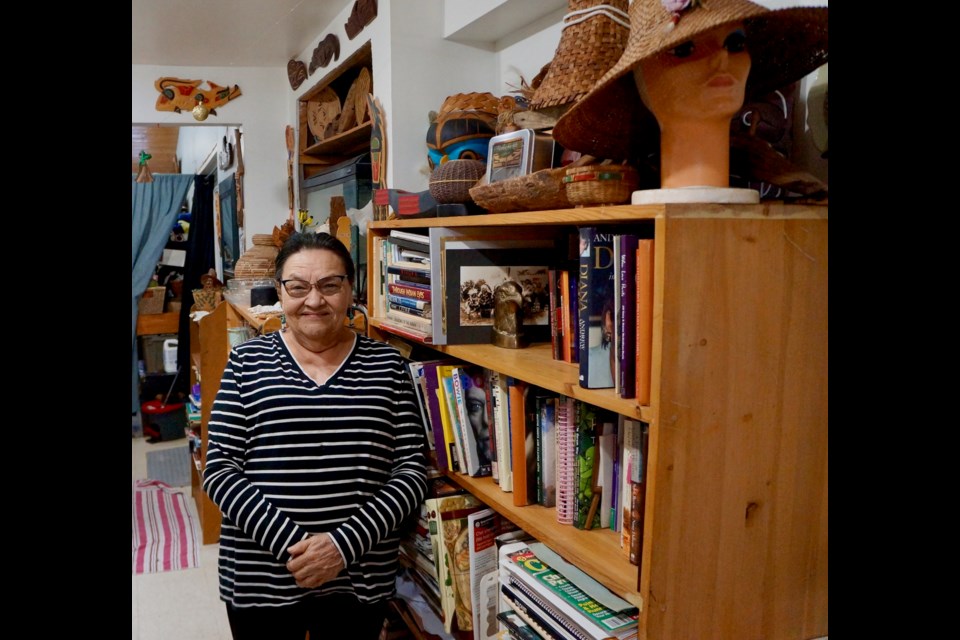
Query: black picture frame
[(470, 321)]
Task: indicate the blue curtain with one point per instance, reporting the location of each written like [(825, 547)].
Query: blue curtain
[(155, 207)]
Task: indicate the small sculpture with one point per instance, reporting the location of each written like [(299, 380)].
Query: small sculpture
[(508, 316)]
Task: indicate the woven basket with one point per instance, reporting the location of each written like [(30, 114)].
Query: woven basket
[(260, 260), (535, 191), (587, 50), (600, 184), (450, 182), (152, 300)]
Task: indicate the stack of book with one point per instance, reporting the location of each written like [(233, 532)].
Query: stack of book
[(555, 607), (406, 300)]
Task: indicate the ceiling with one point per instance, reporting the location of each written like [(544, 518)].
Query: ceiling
[(229, 33)]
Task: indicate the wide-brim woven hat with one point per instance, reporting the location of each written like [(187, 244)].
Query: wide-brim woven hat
[(611, 121), (594, 36)]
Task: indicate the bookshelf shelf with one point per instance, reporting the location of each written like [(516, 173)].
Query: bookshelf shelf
[(736, 491)]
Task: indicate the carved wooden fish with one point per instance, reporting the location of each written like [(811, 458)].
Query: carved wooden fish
[(179, 95)]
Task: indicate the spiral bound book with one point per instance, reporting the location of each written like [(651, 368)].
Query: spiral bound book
[(566, 460)]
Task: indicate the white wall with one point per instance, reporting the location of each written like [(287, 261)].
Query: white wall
[(260, 110)]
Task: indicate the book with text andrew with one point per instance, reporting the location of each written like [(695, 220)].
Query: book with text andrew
[(595, 304)]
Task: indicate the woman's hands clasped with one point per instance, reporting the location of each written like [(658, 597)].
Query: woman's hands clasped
[(314, 561)]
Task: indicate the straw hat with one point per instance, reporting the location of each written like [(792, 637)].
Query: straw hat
[(594, 36), (612, 122)]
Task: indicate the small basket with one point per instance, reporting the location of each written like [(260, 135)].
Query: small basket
[(535, 191), (600, 184), (151, 301)]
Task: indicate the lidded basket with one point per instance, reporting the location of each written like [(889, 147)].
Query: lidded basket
[(259, 262)]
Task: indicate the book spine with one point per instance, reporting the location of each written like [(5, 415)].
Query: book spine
[(573, 282), (644, 305), (566, 460), (586, 452), (627, 343), (419, 384), (531, 426), (518, 449), (489, 410), (414, 292), (408, 303), (565, 315), (555, 331), (548, 438), (401, 328), (595, 297), (433, 408), (502, 423), (638, 501), (409, 275), (416, 313), (448, 417)]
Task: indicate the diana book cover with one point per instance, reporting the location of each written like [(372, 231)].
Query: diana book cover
[(595, 304)]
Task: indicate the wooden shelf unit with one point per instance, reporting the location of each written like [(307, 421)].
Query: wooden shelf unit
[(313, 156), (209, 348), (735, 530)]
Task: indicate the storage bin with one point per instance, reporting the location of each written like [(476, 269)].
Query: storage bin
[(169, 420), (152, 300)]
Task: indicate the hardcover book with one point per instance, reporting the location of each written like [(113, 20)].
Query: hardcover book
[(501, 421), (414, 292), (522, 449), (595, 305), (627, 316), (645, 257)]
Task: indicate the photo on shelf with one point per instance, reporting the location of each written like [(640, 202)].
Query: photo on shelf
[(471, 276)]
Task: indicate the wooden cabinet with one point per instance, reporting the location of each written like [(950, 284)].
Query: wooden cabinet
[(735, 529), (209, 348)]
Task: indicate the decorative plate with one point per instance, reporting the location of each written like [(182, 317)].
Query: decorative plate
[(321, 110)]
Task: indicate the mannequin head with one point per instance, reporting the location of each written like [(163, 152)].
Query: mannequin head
[(683, 72), (693, 90), (700, 80)]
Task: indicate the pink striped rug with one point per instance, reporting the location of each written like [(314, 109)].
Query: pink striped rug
[(164, 535)]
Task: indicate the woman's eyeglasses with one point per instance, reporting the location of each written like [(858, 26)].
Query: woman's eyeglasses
[(329, 286)]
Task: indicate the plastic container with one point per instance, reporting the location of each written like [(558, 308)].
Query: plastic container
[(170, 355)]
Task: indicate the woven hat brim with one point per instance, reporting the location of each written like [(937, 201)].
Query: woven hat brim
[(611, 120)]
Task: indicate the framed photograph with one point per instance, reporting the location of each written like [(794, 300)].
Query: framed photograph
[(471, 276)]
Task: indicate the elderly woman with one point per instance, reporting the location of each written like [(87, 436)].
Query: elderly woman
[(315, 458)]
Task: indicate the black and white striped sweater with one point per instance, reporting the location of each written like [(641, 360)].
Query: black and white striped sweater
[(287, 457)]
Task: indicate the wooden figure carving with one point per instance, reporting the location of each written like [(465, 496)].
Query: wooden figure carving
[(326, 51), (180, 95), (362, 14), (296, 73), (378, 154)]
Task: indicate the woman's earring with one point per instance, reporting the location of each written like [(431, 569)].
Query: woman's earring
[(283, 322)]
